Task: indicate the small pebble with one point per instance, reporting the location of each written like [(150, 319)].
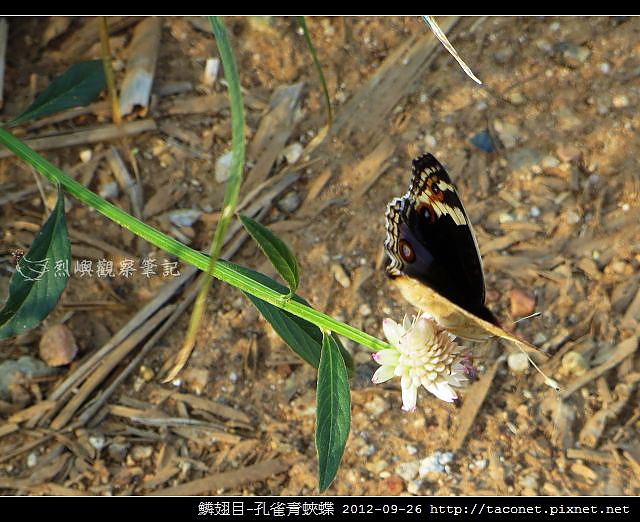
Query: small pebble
[(293, 152), (146, 373), (516, 98), (481, 464), (196, 379), (118, 451), (436, 463), (534, 212), (97, 441), (620, 101), (550, 162), (430, 141), (522, 304), (32, 460), (505, 218), (574, 363), (518, 362), (184, 217), (109, 190), (340, 275), (223, 167), (86, 155), (394, 484), (507, 132), (568, 153), (573, 217), (289, 202), (413, 487), (574, 55), (484, 141), (58, 346), (141, 452), (211, 68), (364, 310), (408, 470)]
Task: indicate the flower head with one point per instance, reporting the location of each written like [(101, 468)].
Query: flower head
[(423, 354)]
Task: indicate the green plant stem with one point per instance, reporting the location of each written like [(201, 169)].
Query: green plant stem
[(108, 70), (314, 54), (224, 270)]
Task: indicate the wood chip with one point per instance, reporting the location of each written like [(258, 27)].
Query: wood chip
[(595, 456), (7, 428), (102, 133), (27, 413), (273, 132), (219, 410), (4, 34), (141, 66), (231, 479), (197, 104), (361, 116), (107, 365), (621, 352), (368, 170), (473, 399), (163, 475)]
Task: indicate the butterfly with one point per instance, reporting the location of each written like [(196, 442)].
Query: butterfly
[(433, 256)]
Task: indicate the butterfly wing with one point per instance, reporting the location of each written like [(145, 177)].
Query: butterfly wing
[(433, 256), (430, 239)]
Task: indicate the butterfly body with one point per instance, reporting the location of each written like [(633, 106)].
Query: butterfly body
[(433, 256)]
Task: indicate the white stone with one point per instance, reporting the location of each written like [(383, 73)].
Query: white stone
[(211, 68), (292, 152), (518, 362), (86, 155), (223, 167), (408, 470)]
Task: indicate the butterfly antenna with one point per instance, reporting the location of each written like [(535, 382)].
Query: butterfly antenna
[(534, 314), (552, 383)]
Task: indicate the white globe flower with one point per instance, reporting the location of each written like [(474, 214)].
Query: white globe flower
[(423, 354)]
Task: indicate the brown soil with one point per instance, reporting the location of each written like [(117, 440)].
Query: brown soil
[(555, 209)]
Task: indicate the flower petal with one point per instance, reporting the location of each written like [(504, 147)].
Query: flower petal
[(382, 374), (443, 391), (388, 356), (392, 330), (409, 398), (421, 334)]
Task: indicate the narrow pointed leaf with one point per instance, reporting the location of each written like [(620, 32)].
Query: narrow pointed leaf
[(333, 411), (281, 257), (79, 85), (303, 337), (40, 277)]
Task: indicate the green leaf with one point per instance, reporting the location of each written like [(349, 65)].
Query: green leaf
[(79, 85), (303, 337), (37, 283), (333, 411), (281, 257)]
